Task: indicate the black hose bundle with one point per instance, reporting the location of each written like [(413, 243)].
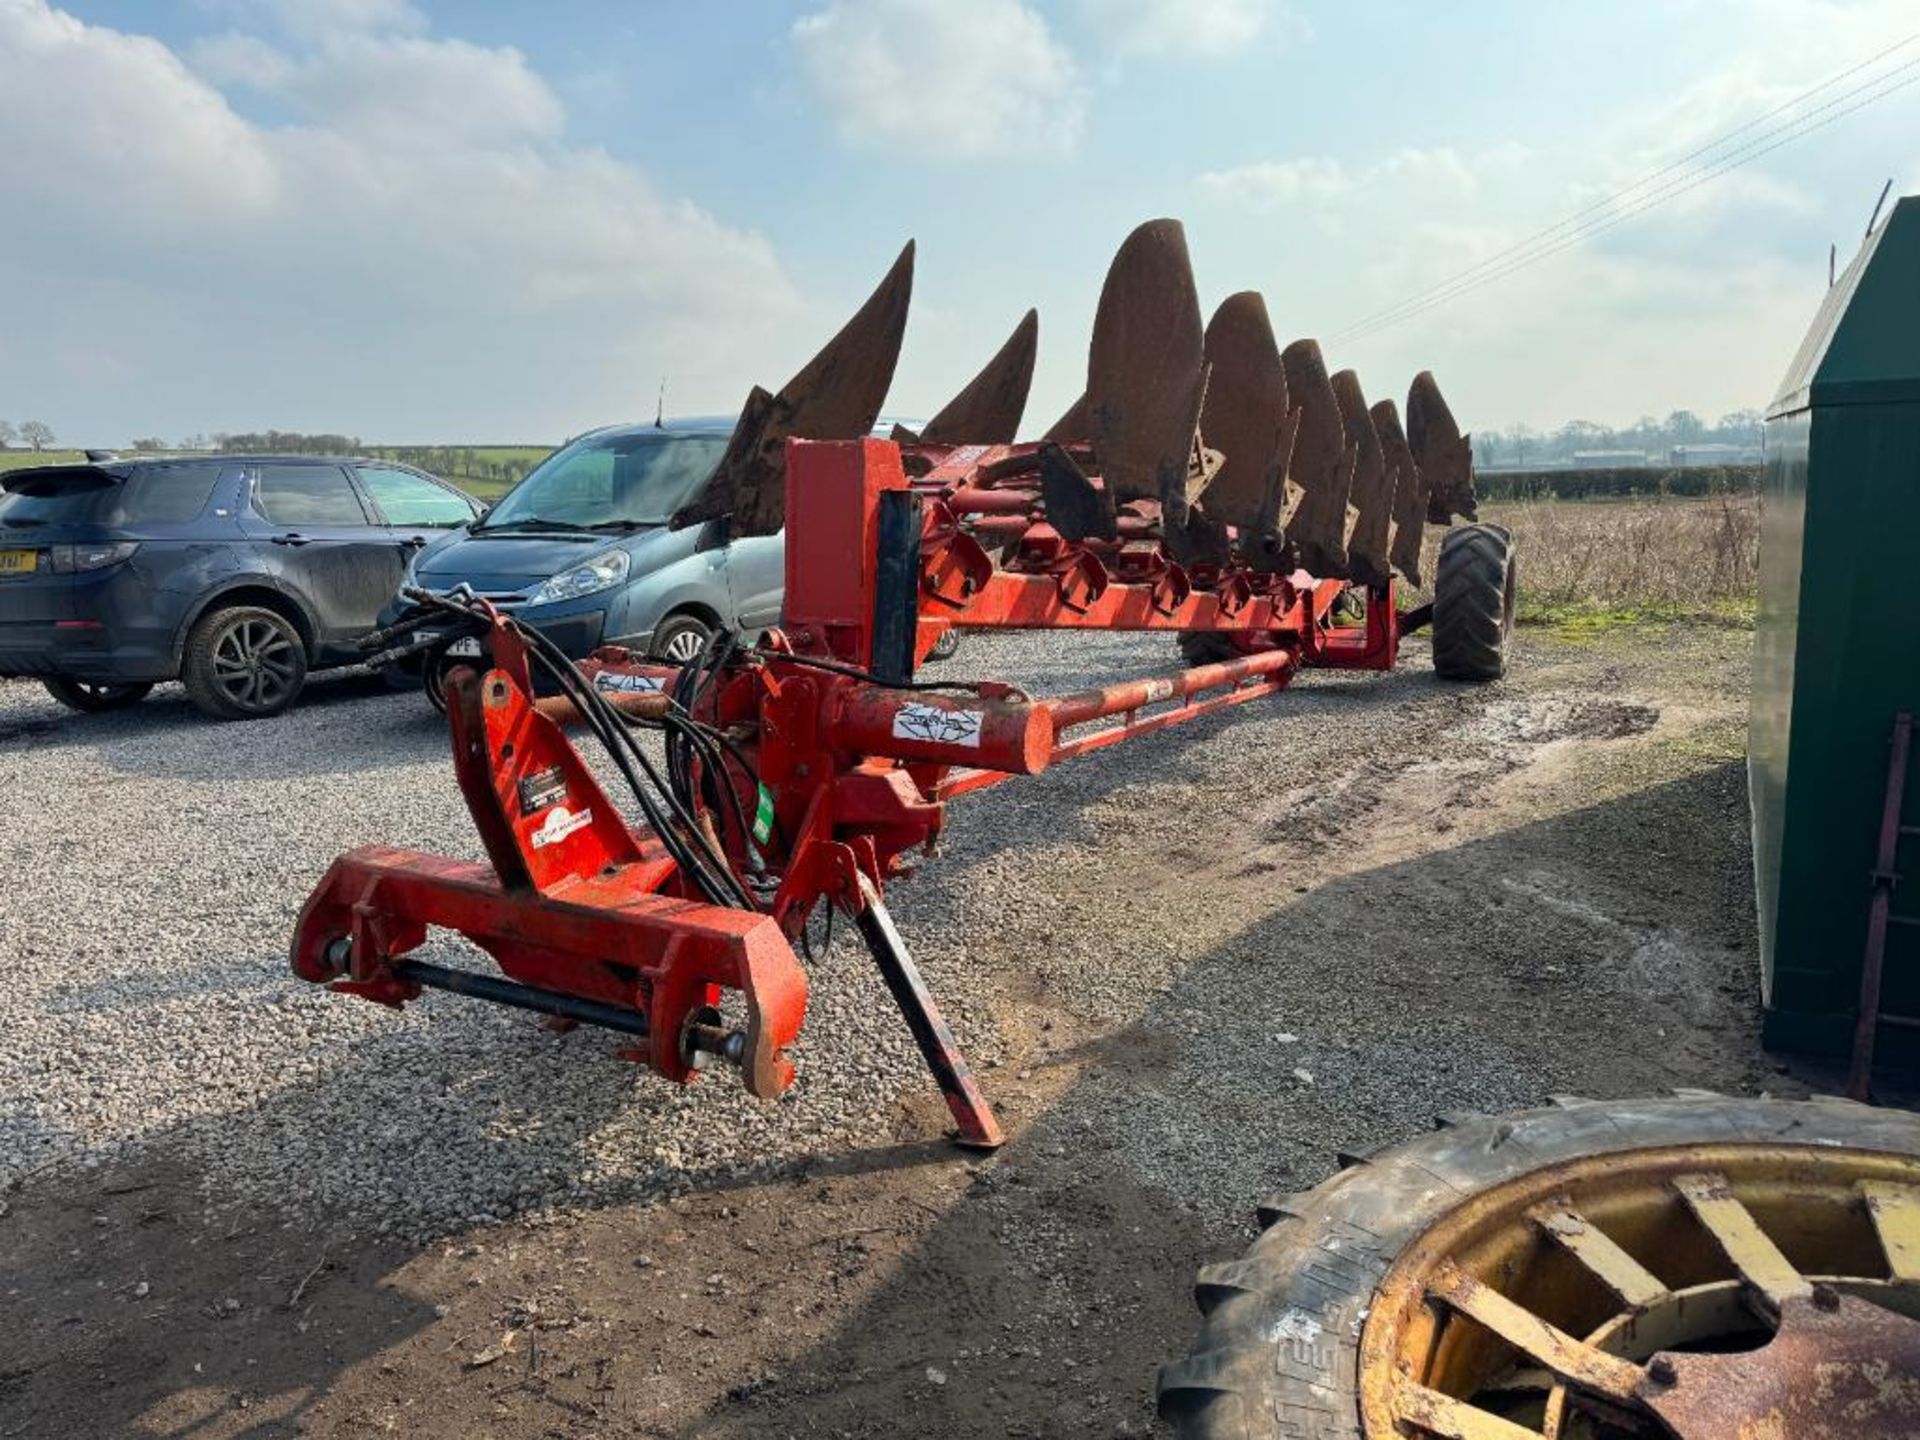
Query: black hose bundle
[(669, 803)]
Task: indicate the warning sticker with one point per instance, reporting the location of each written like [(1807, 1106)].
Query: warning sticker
[(937, 725), (615, 682), (559, 824)]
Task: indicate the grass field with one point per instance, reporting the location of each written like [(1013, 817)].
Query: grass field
[(23, 459), (1602, 561)]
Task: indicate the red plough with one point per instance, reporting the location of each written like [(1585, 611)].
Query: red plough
[(815, 766)]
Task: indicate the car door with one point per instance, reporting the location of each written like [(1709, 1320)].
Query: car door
[(315, 533), (757, 579)]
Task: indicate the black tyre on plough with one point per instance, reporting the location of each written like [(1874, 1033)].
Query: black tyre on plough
[(1473, 587), (1692, 1267)]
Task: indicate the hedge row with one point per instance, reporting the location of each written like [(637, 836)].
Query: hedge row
[(1637, 480)]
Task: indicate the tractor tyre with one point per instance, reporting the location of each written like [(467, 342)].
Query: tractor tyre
[(1473, 587), (1347, 1320)]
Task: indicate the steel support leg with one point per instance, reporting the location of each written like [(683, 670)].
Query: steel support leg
[(978, 1129)]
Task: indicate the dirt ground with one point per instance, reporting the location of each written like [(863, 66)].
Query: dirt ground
[(1487, 897)]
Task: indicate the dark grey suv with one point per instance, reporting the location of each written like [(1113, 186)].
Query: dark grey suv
[(236, 574)]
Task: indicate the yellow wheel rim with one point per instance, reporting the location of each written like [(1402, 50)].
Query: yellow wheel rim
[(1663, 1292)]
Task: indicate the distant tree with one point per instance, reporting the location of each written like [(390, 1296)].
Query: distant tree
[(1683, 426), (195, 441), (7, 435), (1524, 441), (150, 444), (37, 433)]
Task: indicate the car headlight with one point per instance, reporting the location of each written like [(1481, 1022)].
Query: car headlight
[(602, 572)]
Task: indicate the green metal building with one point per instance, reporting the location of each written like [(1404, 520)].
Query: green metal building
[(1837, 650)]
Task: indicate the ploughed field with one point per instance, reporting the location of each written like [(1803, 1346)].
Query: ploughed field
[(1189, 970)]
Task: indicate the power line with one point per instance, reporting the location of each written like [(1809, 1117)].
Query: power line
[(1694, 182), (1752, 150), (1578, 225)]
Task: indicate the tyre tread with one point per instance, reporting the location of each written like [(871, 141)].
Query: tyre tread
[(1471, 617)]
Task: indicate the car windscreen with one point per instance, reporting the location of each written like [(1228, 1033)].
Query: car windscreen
[(606, 481), (57, 496)]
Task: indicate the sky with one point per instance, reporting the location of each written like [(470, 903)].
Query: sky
[(493, 222)]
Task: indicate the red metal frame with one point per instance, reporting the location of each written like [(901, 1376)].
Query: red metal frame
[(854, 774)]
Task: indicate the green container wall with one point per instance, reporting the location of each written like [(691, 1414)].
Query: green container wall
[(1837, 649)]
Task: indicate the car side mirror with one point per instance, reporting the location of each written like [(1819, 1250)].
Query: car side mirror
[(715, 533)]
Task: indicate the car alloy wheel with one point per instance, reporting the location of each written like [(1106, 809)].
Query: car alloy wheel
[(255, 665)]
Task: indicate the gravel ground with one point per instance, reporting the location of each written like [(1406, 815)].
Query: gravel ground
[(1191, 970), (162, 859)]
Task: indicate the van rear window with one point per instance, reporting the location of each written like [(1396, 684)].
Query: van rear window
[(56, 497)]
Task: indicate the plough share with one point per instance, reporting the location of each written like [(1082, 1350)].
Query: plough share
[(1206, 485)]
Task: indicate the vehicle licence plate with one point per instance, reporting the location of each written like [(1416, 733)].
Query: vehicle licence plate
[(19, 562), (468, 646)]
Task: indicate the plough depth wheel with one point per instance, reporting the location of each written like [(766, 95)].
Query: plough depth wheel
[(1473, 588), (1698, 1267)]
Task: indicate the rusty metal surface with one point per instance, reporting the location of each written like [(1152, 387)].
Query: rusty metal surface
[(1762, 1267), (1837, 1367), (837, 395), (1492, 1279), (1895, 1213), (988, 410), (1319, 464), (1146, 371), (1409, 490), (1444, 455), (1553, 1350), (1245, 416), (1371, 495), (1076, 507)]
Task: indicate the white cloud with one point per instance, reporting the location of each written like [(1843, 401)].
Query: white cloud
[(1188, 27), (420, 249), (929, 79), (1269, 185), (94, 118), (394, 89), (327, 19)]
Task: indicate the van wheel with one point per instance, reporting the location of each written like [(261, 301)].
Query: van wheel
[(92, 698), (680, 639), (243, 663)]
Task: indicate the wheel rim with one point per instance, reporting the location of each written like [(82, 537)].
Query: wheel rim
[(685, 645), (254, 664), (1671, 1292)]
